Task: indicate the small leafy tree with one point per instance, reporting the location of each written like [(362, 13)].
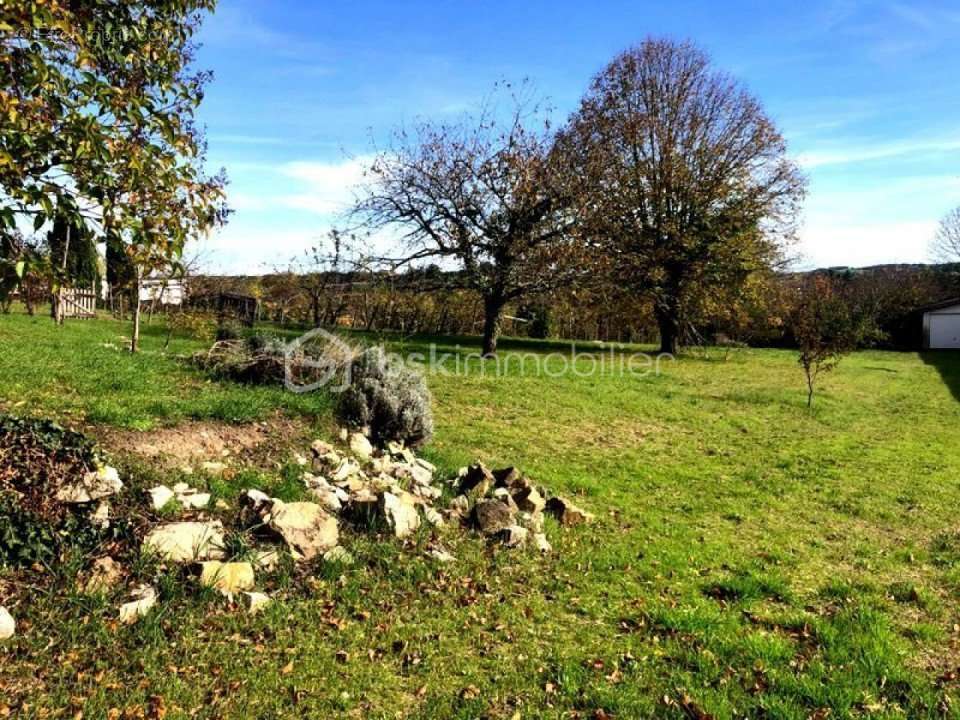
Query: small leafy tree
[(824, 327), (98, 129)]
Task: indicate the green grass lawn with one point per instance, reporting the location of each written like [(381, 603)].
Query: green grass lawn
[(750, 559)]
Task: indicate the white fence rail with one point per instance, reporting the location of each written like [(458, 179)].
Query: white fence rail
[(79, 303)]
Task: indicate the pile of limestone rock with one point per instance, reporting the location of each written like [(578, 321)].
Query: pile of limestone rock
[(507, 506), (393, 488), (363, 487)]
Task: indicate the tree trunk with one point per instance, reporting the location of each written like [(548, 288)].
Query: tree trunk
[(135, 340), (59, 315), (668, 320), (492, 315)]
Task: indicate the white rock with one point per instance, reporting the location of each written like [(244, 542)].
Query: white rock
[(304, 526), (145, 597), (96, 484), (400, 512), (543, 545), (441, 555), (104, 574), (567, 513), (460, 506), (429, 466), (433, 517), (514, 536), (254, 602), (194, 500), (186, 541), (266, 559), (299, 459), (503, 495), (530, 500), (360, 446), (421, 475), (181, 488), (346, 469), (531, 521), (395, 447), (101, 516), (344, 434), (160, 496), (227, 578), (257, 498), (320, 447), (382, 464), (8, 626), (329, 460), (328, 497), (315, 481), (427, 492), (213, 468)]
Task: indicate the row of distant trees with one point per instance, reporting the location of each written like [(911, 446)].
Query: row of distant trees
[(883, 300)]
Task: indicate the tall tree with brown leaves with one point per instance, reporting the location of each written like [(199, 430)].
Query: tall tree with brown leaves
[(686, 183)]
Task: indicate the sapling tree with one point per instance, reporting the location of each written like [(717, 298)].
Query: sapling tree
[(824, 326), (325, 273)]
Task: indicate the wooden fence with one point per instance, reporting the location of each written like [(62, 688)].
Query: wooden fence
[(78, 303)]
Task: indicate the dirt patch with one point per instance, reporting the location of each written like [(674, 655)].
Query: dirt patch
[(194, 442)]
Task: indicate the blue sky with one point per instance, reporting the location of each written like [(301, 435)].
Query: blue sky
[(866, 92)]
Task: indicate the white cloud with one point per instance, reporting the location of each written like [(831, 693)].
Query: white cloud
[(239, 250), (329, 187), (320, 188), (830, 242), (856, 154), (884, 220)]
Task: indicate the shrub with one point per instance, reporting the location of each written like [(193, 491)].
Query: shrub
[(228, 331), (387, 397), (824, 327), (243, 361), (265, 360), (540, 323), (37, 457)]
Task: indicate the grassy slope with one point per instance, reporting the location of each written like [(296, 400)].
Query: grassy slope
[(751, 557), (82, 372)]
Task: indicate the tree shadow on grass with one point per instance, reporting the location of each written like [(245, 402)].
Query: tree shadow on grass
[(947, 363)]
